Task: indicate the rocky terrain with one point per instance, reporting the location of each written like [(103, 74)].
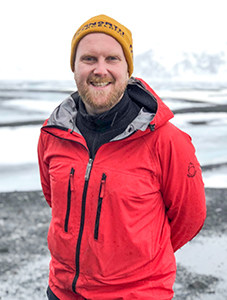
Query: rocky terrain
[(24, 257)]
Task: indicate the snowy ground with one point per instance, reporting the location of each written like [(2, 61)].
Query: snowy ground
[(202, 264), (202, 114)]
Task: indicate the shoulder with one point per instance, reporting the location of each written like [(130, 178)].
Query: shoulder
[(170, 133)]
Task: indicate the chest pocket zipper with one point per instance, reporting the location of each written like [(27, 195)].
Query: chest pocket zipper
[(99, 207), (70, 189)]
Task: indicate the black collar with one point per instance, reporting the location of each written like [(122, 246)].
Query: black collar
[(106, 120)]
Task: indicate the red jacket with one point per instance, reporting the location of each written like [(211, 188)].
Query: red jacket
[(117, 219)]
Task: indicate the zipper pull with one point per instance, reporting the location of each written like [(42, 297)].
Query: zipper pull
[(71, 179), (103, 181), (88, 170)]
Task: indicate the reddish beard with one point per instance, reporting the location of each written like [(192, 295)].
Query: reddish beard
[(92, 97)]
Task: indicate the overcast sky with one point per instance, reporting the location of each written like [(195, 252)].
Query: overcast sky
[(35, 35)]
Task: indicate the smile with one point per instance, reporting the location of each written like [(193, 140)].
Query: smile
[(100, 84)]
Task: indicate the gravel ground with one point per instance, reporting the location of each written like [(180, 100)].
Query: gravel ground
[(24, 257)]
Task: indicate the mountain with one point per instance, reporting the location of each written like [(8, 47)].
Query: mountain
[(189, 66)]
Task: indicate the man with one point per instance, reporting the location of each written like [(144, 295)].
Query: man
[(123, 183)]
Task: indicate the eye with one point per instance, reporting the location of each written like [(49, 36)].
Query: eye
[(112, 58), (88, 59)]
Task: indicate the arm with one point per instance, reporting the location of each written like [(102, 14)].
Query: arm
[(182, 186), (44, 169)]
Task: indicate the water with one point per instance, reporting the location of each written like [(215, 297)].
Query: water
[(25, 105)]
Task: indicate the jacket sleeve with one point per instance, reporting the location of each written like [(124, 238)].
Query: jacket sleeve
[(181, 185), (44, 169)]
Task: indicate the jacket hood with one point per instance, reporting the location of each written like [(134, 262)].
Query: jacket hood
[(153, 113), (145, 96)]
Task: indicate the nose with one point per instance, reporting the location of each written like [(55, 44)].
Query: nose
[(100, 68)]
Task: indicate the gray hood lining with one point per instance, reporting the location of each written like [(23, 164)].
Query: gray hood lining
[(64, 116), (141, 122)]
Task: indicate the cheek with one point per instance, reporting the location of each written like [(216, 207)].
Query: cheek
[(80, 76), (81, 72), (122, 77), (122, 73)]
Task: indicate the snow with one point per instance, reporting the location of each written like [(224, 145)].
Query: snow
[(36, 105), (20, 145), (18, 153), (18, 159), (209, 137), (217, 179), (213, 262), (213, 97), (200, 263)]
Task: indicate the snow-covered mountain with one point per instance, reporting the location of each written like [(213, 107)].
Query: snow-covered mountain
[(186, 66)]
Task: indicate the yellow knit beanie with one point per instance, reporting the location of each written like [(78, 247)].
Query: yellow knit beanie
[(107, 25)]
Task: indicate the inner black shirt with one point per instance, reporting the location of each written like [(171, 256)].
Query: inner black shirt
[(100, 129)]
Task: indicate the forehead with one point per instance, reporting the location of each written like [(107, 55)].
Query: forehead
[(99, 42)]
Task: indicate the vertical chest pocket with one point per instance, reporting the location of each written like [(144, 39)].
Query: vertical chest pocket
[(99, 206), (69, 196)]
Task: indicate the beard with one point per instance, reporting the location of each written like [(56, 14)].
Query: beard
[(100, 100)]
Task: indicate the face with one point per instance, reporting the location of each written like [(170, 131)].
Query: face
[(101, 72)]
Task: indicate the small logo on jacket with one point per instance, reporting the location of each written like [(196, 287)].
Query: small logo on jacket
[(191, 170)]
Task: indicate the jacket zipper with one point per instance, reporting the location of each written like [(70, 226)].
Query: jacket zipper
[(101, 195), (78, 246), (70, 189)]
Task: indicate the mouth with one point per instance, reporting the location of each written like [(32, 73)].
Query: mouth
[(100, 84)]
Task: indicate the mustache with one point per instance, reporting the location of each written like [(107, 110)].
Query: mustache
[(98, 79)]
